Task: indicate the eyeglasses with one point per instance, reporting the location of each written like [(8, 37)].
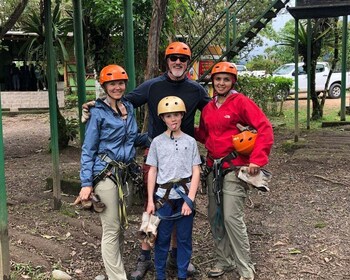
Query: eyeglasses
[(174, 58)]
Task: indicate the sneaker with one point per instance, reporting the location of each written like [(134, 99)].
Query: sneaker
[(142, 267), (217, 271), (171, 264)]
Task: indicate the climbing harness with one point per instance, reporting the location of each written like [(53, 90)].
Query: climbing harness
[(205, 171), (217, 186), (165, 199), (117, 172)]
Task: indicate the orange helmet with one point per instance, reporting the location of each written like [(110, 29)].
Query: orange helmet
[(224, 67), (112, 72), (244, 142), (178, 48)]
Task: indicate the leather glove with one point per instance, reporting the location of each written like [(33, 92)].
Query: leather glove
[(97, 204), (152, 230), (259, 181), (142, 232), (245, 128), (85, 114)]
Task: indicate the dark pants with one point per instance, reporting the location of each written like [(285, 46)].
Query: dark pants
[(184, 239)]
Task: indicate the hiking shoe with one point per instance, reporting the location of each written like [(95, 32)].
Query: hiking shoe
[(171, 264), (245, 278), (142, 267), (217, 271)]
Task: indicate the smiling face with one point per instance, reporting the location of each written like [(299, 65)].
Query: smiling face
[(115, 89), (177, 65), (223, 83), (172, 120)]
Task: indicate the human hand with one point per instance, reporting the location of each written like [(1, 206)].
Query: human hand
[(186, 210), (150, 208), (253, 169), (85, 114), (85, 193)]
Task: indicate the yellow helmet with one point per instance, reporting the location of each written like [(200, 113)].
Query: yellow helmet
[(171, 104)]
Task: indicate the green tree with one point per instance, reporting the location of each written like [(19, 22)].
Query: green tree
[(35, 49), (6, 23), (319, 29)]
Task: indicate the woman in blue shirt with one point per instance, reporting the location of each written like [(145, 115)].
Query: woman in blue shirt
[(108, 148)]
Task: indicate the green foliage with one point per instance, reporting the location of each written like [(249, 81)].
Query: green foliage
[(34, 47), (18, 270), (261, 63), (68, 211), (264, 92), (72, 125), (71, 100)]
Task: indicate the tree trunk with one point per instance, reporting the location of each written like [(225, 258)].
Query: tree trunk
[(152, 67), (334, 60), (13, 18)]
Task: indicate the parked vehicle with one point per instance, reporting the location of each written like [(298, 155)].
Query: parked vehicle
[(322, 70), (242, 70)]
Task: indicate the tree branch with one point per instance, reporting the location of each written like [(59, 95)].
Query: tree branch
[(13, 18)]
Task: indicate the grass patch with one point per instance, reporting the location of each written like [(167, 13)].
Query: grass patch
[(27, 271), (288, 118)]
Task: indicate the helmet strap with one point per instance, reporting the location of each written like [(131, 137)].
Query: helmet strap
[(110, 99)]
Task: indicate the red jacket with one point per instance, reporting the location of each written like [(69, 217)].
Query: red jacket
[(217, 125)]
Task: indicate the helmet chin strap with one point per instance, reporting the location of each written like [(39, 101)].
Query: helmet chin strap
[(116, 104)]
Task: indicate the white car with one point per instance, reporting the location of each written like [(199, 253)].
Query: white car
[(322, 70)]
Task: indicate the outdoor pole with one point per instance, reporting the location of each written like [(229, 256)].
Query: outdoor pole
[(296, 99), (308, 69), (51, 74), (343, 67), (79, 57), (4, 238), (234, 28), (227, 29), (129, 44)]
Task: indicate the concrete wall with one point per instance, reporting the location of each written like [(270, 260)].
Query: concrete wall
[(22, 100)]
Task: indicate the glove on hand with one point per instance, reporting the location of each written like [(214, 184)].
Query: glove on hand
[(97, 204), (85, 114), (259, 181), (245, 128), (142, 232), (152, 229)]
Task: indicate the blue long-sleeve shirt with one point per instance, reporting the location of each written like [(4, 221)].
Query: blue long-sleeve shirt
[(107, 133)]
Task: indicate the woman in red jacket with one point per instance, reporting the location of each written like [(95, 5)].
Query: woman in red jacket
[(218, 125)]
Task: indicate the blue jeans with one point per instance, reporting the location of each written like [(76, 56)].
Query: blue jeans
[(183, 237)]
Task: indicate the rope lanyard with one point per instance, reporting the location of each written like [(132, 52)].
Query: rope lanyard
[(217, 191), (118, 181), (177, 215)]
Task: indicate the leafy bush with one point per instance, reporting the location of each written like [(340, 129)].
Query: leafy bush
[(71, 100), (267, 92)]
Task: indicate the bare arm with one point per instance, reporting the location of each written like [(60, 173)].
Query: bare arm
[(152, 176)]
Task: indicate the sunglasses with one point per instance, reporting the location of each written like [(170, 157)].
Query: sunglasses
[(174, 58)]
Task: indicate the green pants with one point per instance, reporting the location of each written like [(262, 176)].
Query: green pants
[(112, 234), (232, 247)]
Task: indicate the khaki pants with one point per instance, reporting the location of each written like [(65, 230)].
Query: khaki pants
[(230, 233), (112, 234)]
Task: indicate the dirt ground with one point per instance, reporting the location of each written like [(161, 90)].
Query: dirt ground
[(300, 230)]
